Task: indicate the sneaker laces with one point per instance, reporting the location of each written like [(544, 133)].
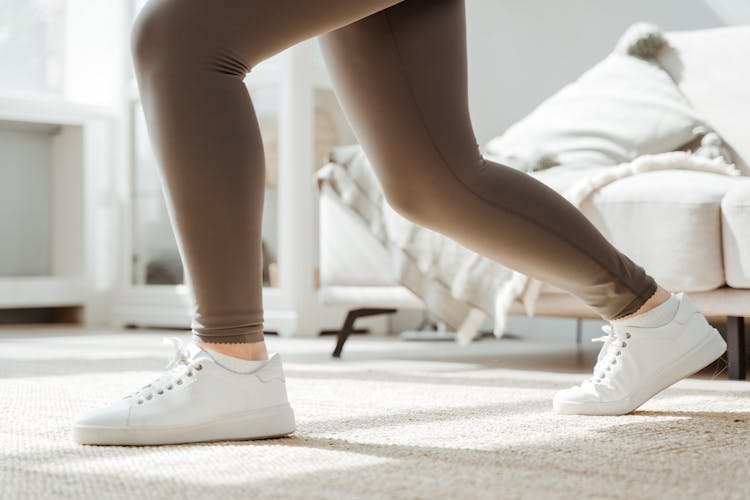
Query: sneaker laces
[(614, 342), (179, 366)]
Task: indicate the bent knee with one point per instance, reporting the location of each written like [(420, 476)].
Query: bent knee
[(429, 197), (417, 203), (182, 34)]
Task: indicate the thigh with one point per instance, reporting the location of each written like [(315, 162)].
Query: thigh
[(232, 36), (401, 77)]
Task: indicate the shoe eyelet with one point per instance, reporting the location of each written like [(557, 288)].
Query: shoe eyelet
[(627, 335), (140, 401), (169, 388), (160, 392), (619, 353), (609, 368), (179, 382), (624, 345), (189, 374), (199, 367), (614, 361), (149, 396)]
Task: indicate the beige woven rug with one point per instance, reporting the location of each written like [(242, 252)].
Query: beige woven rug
[(391, 420)]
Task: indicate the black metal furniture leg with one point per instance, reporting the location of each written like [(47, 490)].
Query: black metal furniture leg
[(736, 353), (348, 327)]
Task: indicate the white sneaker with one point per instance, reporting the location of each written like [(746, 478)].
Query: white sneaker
[(196, 399), (636, 363)]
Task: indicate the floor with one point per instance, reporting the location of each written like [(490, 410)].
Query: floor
[(391, 419)]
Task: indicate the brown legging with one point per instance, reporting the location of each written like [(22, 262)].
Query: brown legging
[(399, 71)]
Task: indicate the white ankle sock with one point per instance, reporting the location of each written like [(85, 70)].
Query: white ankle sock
[(234, 363), (657, 316)]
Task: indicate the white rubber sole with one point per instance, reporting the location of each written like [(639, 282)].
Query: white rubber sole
[(693, 361), (264, 423)]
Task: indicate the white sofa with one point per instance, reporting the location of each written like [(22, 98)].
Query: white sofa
[(697, 223)]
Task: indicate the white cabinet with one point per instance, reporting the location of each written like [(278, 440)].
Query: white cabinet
[(56, 207)]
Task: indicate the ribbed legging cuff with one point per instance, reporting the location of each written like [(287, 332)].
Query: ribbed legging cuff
[(639, 300), (242, 338), (228, 327)]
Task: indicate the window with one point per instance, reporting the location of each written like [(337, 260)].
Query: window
[(31, 46)]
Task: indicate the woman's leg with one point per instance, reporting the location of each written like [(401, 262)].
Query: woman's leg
[(190, 58), (401, 76)]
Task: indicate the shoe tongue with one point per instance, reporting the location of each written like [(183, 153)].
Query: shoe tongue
[(619, 328), (194, 351)]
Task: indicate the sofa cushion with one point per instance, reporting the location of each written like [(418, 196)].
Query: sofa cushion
[(620, 109), (669, 222), (735, 220), (711, 69)]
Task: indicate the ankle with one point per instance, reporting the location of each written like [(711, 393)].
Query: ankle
[(659, 297), (253, 351)]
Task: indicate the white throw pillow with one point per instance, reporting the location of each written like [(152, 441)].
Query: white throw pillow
[(622, 108)]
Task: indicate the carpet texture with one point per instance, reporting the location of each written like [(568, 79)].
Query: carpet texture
[(391, 420)]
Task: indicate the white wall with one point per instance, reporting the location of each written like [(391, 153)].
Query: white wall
[(521, 52)]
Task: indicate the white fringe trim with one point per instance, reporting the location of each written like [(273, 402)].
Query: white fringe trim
[(527, 289), (470, 326)]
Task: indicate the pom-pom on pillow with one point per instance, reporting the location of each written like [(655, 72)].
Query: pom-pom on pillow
[(641, 40), (623, 107)]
